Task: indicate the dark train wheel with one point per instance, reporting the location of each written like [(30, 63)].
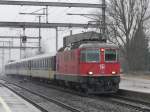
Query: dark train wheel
[(85, 89)]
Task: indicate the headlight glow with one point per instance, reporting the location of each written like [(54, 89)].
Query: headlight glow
[(113, 72), (90, 73)]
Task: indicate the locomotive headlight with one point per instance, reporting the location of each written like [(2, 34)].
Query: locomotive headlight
[(102, 49), (113, 72), (90, 73)]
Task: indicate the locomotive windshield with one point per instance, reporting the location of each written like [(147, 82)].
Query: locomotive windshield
[(90, 55), (110, 55)]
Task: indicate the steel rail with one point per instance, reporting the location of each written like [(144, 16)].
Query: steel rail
[(54, 4), (45, 25)]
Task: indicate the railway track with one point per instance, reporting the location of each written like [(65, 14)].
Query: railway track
[(19, 90), (128, 102), (132, 100), (115, 98), (138, 105)]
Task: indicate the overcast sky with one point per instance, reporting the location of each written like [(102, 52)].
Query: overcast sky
[(56, 14)]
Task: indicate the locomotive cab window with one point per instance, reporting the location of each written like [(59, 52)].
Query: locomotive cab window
[(90, 55), (110, 55)]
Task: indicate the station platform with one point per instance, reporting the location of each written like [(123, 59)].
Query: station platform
[(10, 102), (139, 83)]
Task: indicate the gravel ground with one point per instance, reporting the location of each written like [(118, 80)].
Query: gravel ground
[(83, 103)]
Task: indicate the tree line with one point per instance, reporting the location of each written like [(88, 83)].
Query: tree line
[(127, 26)]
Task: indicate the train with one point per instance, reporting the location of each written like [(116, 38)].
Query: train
[(83, 63)]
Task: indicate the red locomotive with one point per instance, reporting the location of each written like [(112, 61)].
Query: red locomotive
[(93, 66), (85, 63)]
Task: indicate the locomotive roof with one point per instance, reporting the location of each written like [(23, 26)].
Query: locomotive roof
[(100, 45), (91, 35)]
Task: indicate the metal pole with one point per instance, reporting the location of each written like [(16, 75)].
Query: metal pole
[(24, 43), (46, 14), (103, 19), (70, 32), (39, 34), (56, 39)]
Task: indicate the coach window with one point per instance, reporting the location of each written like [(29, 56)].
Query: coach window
[(31, 64), (23, 65), (34, 63), (43, 63), (46, 63), (83, 55), (49, 62), (39, 64), (40, 61), (110, 55)]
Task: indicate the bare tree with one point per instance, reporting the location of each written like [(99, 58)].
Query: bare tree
[(125, 19)]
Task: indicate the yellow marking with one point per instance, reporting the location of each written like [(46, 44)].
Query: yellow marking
[(5, 106)]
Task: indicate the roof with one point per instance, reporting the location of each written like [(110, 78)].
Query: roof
[(98, 45), (81, 36), (31, 58)]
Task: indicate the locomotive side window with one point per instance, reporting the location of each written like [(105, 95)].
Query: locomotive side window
[(90, 55), (110, 55), (83, 55)]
